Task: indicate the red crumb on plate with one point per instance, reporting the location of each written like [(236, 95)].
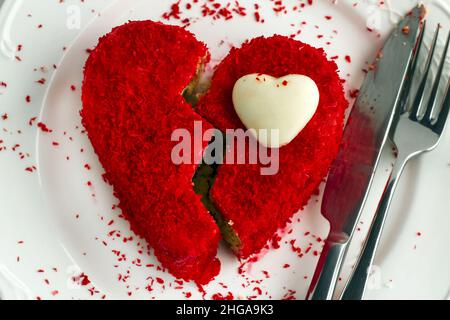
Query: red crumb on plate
[(219, 296)]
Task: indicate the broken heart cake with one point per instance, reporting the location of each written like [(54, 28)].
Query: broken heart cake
[(251, 207), (134, 82), (132, 102)]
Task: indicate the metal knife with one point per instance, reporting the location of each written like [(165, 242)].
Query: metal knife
[(365, 135)]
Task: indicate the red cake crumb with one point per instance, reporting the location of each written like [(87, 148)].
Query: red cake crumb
[(259, 205), (131, 104), (219, 296)]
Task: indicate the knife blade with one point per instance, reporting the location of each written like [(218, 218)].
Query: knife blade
[(366, 133)]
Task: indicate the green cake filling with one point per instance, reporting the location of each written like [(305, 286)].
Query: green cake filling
[(203, 182), (190, 93), (205, 175)]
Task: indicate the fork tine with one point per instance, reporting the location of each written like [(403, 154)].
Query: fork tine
[(439, 126), (420, 91), (403, 103), (427, 118)]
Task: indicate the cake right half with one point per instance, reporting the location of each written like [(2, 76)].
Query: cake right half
[(250, 206)]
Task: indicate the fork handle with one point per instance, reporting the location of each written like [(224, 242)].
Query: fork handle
[(356, 286)]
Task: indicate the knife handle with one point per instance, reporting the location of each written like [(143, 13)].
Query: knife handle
[(328, 268)]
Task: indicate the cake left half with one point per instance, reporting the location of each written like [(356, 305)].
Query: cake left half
[(132, 102)]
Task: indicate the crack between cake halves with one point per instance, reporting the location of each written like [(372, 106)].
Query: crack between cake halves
[(206, 174)]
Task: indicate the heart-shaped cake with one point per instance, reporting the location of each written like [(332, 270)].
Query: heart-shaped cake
[(255, 206), (132, 103)]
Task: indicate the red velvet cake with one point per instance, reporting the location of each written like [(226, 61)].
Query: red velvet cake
[(132, 102), (254, 206)]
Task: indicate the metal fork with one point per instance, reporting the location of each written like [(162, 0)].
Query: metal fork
[(413, 133)]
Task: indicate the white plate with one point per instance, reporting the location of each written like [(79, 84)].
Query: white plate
[(53, 229)]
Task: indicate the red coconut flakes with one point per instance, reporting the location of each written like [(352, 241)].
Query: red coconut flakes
[(122, 103), (260, 205), (209, 8), (181, 10), (219, 296)]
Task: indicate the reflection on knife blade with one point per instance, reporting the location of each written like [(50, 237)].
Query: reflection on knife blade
[(366, 133)]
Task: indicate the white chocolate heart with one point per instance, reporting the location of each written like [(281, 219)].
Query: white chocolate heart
[(285, 104)]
